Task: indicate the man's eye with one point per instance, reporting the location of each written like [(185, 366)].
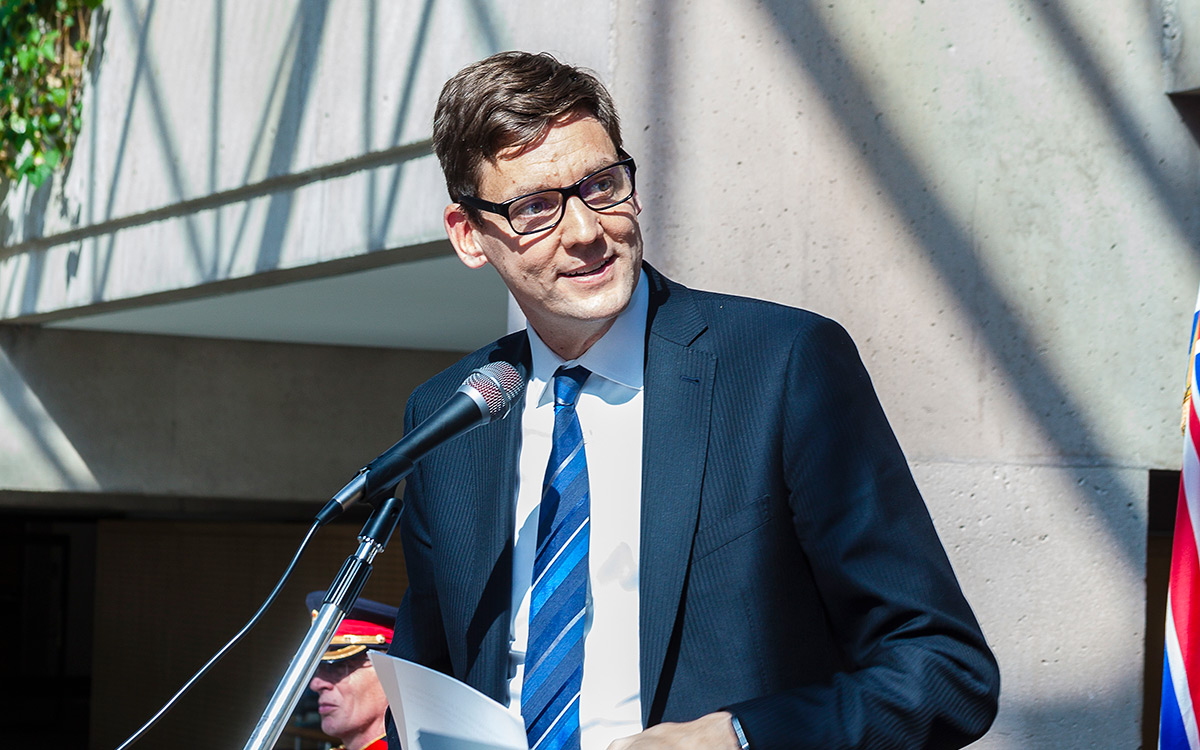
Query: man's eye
[(537, 205), (603, 184)]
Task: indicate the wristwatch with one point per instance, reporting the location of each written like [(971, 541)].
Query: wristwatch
[(737, 729)]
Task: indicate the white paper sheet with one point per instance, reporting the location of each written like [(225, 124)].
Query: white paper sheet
[(436, 712)]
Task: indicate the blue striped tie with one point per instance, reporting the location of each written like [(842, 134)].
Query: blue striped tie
[(558, 599)]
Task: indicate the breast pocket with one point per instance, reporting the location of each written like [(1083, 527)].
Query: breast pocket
[(732, 527)]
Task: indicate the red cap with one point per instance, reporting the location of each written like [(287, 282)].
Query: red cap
[(368, 624)]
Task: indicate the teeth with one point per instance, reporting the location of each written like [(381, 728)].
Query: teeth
[(586, 271)]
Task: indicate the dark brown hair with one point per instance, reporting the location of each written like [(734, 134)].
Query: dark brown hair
[(509, 100)]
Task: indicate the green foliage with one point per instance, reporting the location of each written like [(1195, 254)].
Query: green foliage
[(43, 45)]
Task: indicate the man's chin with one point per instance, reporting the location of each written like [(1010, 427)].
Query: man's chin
[(331, 727), (603, 304)]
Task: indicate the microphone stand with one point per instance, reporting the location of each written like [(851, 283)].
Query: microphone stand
[(340, 597)]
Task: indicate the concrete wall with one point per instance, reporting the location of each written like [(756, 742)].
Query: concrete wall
[(167, 422), (996, 198)]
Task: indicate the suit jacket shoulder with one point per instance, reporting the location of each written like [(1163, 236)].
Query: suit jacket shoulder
[(513, 348), (726, 322)]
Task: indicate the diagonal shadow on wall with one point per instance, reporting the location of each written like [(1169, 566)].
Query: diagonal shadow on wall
[(144, 79), (291, 117), (952, 252), (214, 131), (378, 226), (100, 272), (484, 25), (370, 46), (1179, 203), (258, 142), (19, 399)]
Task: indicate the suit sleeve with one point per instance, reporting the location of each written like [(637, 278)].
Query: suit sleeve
[(918, 672)]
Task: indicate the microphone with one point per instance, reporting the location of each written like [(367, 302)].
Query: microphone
[(485, 396)]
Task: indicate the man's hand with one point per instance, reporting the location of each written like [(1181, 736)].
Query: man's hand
[(713, 731)]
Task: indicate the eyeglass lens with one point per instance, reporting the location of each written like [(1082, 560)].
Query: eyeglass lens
[(602, 190), (337, 670)]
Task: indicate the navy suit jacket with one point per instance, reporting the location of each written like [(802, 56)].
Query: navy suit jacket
[(789, 569)]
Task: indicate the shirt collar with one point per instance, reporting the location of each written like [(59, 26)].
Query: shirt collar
[(619, 355)]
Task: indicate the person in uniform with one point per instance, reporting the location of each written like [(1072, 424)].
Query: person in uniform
[(350, 699)]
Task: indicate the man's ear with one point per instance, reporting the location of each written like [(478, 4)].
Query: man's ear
[(464, 236)]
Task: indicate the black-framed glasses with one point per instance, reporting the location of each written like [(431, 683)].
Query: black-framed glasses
[(541, 211)]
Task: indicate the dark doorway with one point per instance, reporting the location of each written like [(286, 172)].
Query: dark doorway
[(48, 588), (1163, 496)]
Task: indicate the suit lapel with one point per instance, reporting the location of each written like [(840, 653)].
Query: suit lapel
[(678, 396), (489, 575)]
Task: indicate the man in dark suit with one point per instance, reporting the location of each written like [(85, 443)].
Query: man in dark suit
[(758, 568)]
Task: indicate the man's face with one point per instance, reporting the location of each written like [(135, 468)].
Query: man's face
[(350, 701), (573, 280)]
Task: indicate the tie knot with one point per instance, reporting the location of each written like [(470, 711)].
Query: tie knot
[(567, 383)]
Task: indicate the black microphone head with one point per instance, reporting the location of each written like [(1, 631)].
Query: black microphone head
[(499, 384)]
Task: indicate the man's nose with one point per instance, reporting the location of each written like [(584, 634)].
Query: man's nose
[(580, 224), (319, 683)]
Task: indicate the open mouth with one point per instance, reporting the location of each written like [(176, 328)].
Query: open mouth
[(591, 271)]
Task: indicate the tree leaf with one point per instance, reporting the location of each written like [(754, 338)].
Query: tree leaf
[(39, 175)]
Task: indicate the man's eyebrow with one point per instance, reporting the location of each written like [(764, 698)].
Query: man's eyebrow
[(523, 189)]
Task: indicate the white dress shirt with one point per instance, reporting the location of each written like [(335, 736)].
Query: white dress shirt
[(610, 415)]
